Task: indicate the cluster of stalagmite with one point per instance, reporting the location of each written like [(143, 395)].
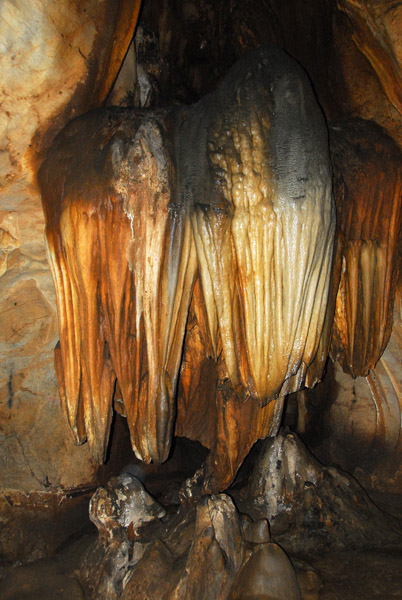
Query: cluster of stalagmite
[(214, 552), (217, 219)]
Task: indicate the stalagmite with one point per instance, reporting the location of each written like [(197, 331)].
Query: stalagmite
[(368, 188), (311, 507), (189, 241)]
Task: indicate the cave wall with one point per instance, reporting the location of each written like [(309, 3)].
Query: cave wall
[(58, 61)]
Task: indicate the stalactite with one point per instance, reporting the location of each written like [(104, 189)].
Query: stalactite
[(123, 268), (210, 226), (264, 226), (263, 229), (368, 188)]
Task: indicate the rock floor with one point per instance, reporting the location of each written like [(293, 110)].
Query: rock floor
[(374, 574), (368, 574)]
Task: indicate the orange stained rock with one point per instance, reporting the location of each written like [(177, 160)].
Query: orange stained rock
[(368, 189), (58, 60), (225, 419), (123, 263), (378, 34), (61, 60), (204, 258)]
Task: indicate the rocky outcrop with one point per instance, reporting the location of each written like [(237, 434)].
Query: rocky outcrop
[(227, 547), (211, 553)]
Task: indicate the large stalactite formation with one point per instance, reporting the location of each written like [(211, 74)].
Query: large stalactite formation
[(367, 186), (355, 414), (225, 242), (192, 244)]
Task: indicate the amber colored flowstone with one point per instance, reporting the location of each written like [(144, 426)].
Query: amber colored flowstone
[(196, 246)]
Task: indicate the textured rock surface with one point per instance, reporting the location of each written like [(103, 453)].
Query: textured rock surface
[(310, 506), (207, 553), (354, 81), (354, 417), (47, 79), (214, 552), (118, 510), (57, 59), (139, 204), (367, 166), (34, 525), (378, 34), (356, 423)]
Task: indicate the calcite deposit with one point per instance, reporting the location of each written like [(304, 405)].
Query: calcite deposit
[(57, 60), (367, 168), (211, 553), (138, 205)]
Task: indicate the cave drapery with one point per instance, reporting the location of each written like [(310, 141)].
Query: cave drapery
[(234, 192), (60, 60)]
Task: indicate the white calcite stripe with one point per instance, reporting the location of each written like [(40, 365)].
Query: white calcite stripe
[(264, 228)]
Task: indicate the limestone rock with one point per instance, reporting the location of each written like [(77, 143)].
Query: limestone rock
[(123, 504), (378, 34), (57, 59), (309, 505), (118, 510), (268, 573), (366, 63), (356, 423), (211, 553), (367, 167), (139, 204)]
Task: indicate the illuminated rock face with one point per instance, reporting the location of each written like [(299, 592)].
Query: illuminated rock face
[(217, 219), (57, 60), (367, 186), (259, 182), (263, 224)]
